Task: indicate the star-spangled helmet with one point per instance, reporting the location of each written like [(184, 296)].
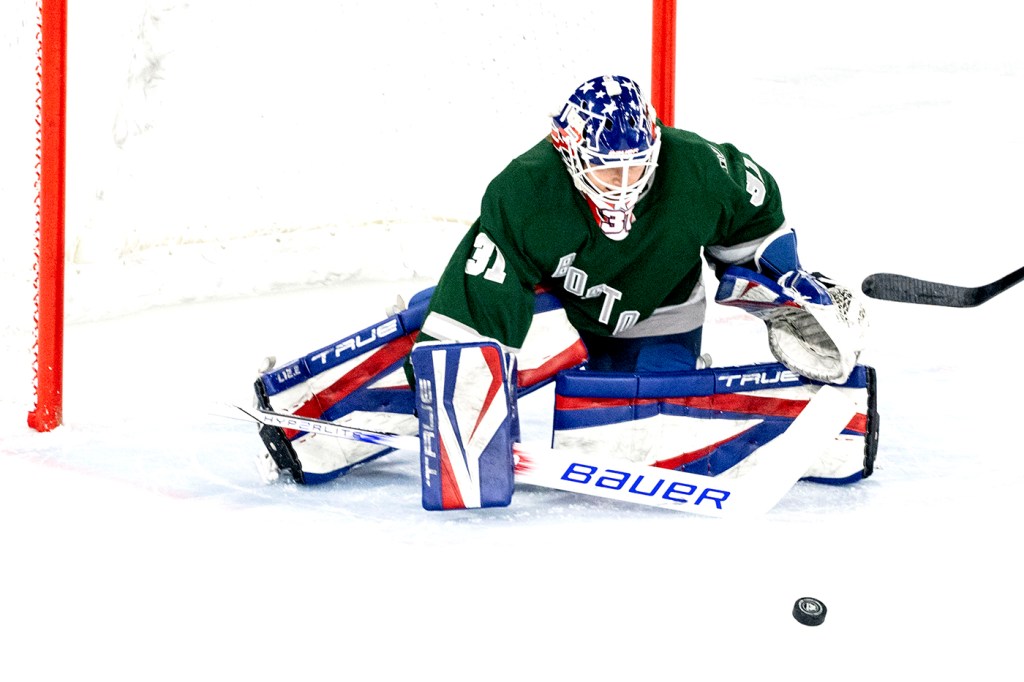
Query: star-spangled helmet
[(607, 123)]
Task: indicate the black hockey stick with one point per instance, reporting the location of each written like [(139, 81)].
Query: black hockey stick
[(902, 289)]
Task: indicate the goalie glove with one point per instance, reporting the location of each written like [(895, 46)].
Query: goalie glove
[(815, 326)]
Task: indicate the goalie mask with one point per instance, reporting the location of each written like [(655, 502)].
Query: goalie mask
[(607, 137)]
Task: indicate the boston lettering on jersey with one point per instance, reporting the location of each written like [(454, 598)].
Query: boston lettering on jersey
[(574, 281)]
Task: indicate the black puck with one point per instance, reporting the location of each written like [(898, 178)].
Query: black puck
[(809, 611)]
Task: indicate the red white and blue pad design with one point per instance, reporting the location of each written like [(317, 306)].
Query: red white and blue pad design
[(468, 424), (356, 381), (359, 381), (551, 345), (752, 491), (709, 421)]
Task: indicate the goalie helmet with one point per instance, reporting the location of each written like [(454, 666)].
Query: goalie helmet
[(607, 125)]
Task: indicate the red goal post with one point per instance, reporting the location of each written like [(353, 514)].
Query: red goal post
[(663, 60), (49, 273), (49, 269)]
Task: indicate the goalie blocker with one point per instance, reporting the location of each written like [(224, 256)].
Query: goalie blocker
[(465, 399)]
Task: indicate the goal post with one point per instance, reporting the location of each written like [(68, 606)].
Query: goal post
[(663, 59), (49, 272)]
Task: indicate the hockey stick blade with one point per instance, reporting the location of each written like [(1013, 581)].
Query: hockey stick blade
[(748, 490), (887, 286)]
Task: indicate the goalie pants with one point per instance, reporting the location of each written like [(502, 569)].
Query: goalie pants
[(669, 353)]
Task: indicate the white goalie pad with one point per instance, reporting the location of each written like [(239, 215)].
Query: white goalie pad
[(709, 421), (360, 381)]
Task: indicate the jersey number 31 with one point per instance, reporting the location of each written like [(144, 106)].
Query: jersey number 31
[(483, 248)]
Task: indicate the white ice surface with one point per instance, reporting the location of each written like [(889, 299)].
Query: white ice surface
[(140, 544)]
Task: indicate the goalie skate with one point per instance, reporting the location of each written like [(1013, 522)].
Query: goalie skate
[(279, 454)]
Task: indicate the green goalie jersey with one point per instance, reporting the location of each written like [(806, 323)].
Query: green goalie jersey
[(537, 231)]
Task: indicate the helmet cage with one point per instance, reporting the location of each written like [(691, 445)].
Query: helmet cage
[(607, 124)]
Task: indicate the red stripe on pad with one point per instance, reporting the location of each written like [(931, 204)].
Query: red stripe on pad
[(354, 379)]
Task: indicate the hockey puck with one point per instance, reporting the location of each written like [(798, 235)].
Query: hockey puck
[(809, 611)]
